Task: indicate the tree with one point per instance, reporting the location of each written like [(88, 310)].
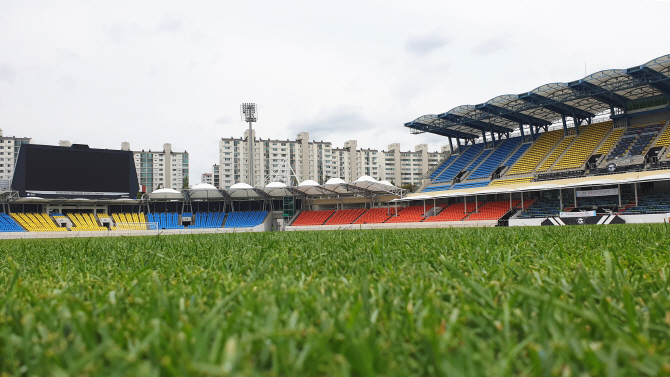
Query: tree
[(184, 184)]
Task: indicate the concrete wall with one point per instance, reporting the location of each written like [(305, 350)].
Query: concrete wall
[(526, 222), (646, 219), (125, 233)]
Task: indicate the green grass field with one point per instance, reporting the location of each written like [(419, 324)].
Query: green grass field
[(545, 301)]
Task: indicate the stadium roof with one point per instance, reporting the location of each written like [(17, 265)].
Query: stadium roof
[(549, 103)]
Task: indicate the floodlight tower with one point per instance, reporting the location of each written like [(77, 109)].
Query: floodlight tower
[(250, 114)]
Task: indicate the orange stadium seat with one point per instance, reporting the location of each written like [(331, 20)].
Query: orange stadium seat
[(375, 216), (411, 214), (312, 218), (345, 216), (492, 210)]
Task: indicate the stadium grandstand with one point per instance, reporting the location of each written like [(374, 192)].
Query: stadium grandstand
[(591, 151)]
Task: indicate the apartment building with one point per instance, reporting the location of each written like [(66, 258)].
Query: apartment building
[(306, 159), (407, 167), (319, 161), (9, 152), (216, 175), (206, 178), (161, 169)]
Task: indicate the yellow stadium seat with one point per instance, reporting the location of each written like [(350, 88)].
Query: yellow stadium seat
[(510, 181), (536, 153), (37, 222), (562, 146), (583, 146)]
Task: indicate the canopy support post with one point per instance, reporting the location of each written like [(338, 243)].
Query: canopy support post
[(465, 204), (476, 204), (522, 201), (635, 189), (560, 198), (619, 195)]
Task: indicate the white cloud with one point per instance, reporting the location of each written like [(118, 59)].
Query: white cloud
[(100, 73)]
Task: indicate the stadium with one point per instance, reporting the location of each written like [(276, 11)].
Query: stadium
[(538, 246), (591, 151)]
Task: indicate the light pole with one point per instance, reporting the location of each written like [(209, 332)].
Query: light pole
[(250, 114)]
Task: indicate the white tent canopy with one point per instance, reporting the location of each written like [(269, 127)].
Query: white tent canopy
[(277, 189), (165, 194)]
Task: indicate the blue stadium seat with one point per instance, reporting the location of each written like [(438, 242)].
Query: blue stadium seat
[(7, 224), (443, 166), (523, 148), (437, 188), (467, 185), (168, 220), (459, 164), (496, 158), (245, 219), (208, 220)]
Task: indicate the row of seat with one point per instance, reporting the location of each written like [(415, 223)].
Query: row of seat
[(460, 163), (36, 222), (205, 220), (583, 146), (496, 158), (42, 222), (470, 211), (84, 222), (8, 224), (635, 141), (536, 153), (245, 219)]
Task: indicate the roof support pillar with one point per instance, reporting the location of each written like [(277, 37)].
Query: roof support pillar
[(484, 136), (451, 145), (523, 135), (532, 133), (565, 125), (493, 138), (458, 143)]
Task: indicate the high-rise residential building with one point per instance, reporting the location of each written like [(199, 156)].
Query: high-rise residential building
[(206, 178), (307, 159), (216, 177), (319, 161), (408, 168), (9, 152), (161, 169)]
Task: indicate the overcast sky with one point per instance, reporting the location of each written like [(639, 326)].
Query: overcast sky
[(100, 73)]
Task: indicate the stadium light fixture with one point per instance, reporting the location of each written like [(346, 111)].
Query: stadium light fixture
[(249, 114)]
